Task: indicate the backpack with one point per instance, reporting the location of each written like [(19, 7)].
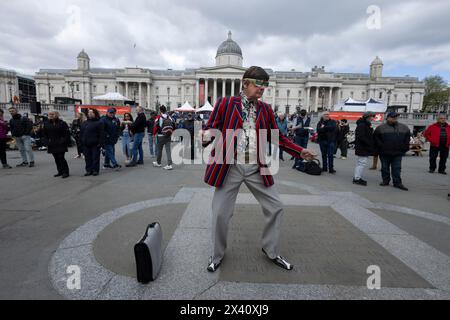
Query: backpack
[(312, 168), (167, 127)]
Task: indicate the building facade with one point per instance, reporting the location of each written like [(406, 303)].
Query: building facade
[(16, 87), (315, 90)]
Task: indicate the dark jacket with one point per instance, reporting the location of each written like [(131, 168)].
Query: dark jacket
[(392, 140), (92, 133), (327, 133), (139, 124), (342, 132), (305, 122), (150, 125), (56, 136), (20, 126), (3, 129), (75, 128), (189, 125), (364, 141), (112, 130)]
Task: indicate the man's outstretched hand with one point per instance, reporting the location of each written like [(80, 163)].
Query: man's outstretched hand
[(308, 155)]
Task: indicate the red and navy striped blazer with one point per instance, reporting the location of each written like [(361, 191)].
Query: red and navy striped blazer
[(227, 114)]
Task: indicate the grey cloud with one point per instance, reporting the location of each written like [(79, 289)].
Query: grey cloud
[(277, 34)]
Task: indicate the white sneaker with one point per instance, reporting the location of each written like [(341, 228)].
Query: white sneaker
[(168, 168), (156, 164)]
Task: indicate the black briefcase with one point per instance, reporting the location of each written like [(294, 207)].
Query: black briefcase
[(148, 254)]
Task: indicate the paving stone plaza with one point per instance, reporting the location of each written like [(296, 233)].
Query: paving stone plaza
[(333, 232)]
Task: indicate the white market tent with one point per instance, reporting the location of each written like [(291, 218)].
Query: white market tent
[(111, 96), (206, 108), (351, 105), (186, 108)]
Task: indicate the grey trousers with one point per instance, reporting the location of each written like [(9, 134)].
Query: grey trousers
[(164, 141), (223, 205)]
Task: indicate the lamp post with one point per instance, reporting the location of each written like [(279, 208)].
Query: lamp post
[(50, 89), (72, 85), (157, 104), (410, 100), (10, 91), (168, 98), (389, 92)]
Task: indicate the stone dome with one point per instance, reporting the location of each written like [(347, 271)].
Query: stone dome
[(229, 47), (377, 61), (83, 55)]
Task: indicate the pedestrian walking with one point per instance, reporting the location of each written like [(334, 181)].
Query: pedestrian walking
[(21, 128), (56, 135)]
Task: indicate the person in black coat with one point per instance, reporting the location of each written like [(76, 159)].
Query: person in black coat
[(327, 135), (364, 146), (92, 138), (56, 135), (342, 142), (392, 141), (75, 130), (112, 132)]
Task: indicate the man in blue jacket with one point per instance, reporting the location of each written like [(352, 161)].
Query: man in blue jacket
[(327, 135), (112, 133)]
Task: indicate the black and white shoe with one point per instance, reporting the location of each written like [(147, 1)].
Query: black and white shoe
[(212, 267), (280, 261)]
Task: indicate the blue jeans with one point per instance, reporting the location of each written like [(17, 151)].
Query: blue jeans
[(393, 163), (110, 156), (327, 150), (301, 141), (151, 144), (23, 143), (137, 147), (126, 149)]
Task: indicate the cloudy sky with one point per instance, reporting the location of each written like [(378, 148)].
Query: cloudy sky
[(411, 37)]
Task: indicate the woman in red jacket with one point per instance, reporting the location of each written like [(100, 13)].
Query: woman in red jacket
[(438, 135)]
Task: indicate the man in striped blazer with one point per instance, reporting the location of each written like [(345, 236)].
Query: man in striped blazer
[(247, 116)]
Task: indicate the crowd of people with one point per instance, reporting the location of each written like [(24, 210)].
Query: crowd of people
[(388, 143), (94, 135)]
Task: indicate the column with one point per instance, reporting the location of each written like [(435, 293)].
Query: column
[(308, 94), (274, 90), (9, 94), (197, 98), (182, 94), (224, 87), (126, 90), (330, 97), (140, 94), (233, 84), (206, 89), (82, 93), (148, 95), (316, 103), (215, 92)]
